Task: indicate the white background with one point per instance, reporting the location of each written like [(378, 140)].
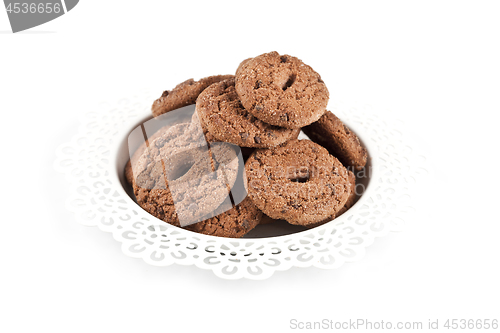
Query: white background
[(435, 64)]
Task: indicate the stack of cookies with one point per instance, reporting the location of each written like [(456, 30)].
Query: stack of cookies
[(262, 109)]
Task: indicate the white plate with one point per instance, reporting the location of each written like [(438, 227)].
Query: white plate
[(93, 162)]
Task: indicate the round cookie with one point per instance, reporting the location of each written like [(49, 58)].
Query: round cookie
[(233, 223), (281, 90), (183, 94), (342, 143), (221, 112), (298, 181), (174, 178), (138, 152)]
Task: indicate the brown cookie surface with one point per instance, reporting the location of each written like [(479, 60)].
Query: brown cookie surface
[(348, 204), (281, 90), (242, 64), (183, 94), (129, 175), (140, 150), (175, 179), (222, 114), (352, 195), (331, 133), (233, 223), (298, 181)]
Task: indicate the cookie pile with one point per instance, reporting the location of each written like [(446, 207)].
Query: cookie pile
[(262, 109)]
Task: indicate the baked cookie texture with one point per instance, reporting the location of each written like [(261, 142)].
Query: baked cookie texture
[(298, 181), (351, 199), (176, 178), (184, 94), (233, 223), (129, 175), (221, 113), (331, 133), (242, 64), (281, 90)]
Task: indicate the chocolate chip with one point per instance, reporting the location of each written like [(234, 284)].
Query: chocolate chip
[(270, 134), (283, 58), (259, 107), (258, 84), (165, 93), (245, 224), (295, 204), (188, 82), (284, 117), (243, 135), (257, 139)]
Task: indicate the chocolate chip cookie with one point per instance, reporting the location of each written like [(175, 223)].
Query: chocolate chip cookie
[(298, 181), (341, 142), (179, 180), (221, 112), (183, 94), (281, 90)]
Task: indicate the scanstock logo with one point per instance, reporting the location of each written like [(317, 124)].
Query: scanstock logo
[(26, 14)]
